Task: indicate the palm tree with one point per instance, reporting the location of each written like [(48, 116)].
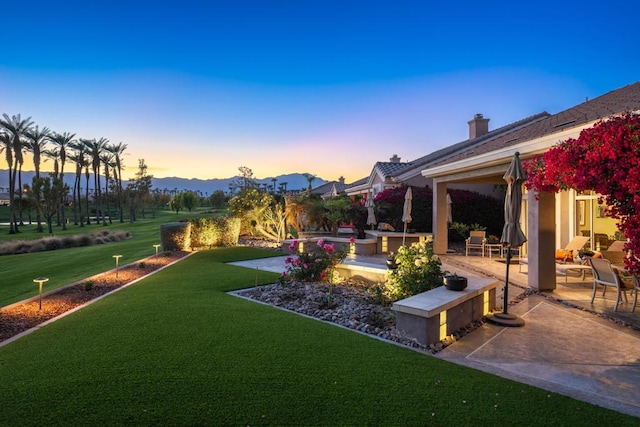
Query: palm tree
[(96, 148), (37, 140), (108, 159), (78, 156), (118, 151), (62, 141), (310, 178), (16, 127)]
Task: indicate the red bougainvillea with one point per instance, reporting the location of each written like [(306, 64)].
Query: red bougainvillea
[(606, 159)]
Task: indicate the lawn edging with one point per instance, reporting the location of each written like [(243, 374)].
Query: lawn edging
[(98, 298)]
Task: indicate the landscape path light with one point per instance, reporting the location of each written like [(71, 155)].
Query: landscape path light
[(117, 258), (156, 246), (40, 281)]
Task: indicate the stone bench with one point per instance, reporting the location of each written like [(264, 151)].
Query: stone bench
[(431, 316), (360, 246)]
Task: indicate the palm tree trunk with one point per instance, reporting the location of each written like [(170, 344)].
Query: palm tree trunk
[(63, 201), (13, 226), (87, 197), (39, 228), (20, 194), (12, 205)]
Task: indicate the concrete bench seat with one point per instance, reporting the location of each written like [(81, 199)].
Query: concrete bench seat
[(431, 316)]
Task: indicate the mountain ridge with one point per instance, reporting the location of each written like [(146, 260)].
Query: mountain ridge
[(295, 181)]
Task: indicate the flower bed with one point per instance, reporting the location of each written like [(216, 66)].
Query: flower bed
[(22, 316)]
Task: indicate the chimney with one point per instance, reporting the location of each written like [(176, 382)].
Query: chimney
[(395, 159), (478, 126), (341, 180)]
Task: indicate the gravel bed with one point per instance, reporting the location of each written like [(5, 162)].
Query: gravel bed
[(353, 305)]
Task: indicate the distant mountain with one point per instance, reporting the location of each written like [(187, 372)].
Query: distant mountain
[(295, 181)]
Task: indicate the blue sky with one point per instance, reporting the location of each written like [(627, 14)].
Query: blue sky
[(325, 87)]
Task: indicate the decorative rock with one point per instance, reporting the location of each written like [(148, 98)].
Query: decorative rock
[(352, 307)]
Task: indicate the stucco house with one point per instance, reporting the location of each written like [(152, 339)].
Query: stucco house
[(551, 220), (395, 172)]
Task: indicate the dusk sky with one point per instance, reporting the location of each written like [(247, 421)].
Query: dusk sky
[(200, 88)]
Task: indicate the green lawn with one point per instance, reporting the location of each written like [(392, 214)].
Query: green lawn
[(69, 265), (175, 349)]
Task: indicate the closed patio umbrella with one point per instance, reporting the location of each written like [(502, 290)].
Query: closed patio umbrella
[(449, 217), (371, 215), (406, 211), (512, 235)]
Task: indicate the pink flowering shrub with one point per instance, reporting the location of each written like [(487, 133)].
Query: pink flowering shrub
[(606, 159), (312, 266)]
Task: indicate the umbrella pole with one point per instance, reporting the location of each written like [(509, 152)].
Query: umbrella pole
[(404, 233), (505, 304), (504, 318)]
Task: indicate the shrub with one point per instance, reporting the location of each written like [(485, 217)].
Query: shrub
[(417, 270), (390, 203), (68, 242), (53, 243), (214, 232), (88, 285), (175, 236), (315, 265)]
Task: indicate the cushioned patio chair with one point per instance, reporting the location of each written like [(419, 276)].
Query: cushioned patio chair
[(571, 250), (476, 241), (604, 274)]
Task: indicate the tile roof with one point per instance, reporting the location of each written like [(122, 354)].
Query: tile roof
[(617, 101), (445, 153)]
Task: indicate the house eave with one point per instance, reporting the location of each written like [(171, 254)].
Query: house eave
[(526, 149)]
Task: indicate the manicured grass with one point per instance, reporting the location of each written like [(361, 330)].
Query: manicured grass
[(174, 349), (69, 265)]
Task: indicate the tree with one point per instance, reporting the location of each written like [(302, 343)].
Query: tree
[(336, 209), (176, 203), (63, 142), (108, 159), (95, 149), (15, 127), (118, 150), (605, 159), (218, 199), (79, 157), (190, 200), (37, 140), (52, 189), (138, 191), (310, 178), (243, 181)]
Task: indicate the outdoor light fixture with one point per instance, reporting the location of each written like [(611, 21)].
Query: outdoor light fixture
[(156, 246), (117, 258), (40, 281)]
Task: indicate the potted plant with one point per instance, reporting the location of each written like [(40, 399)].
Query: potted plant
[(391, 261), (453, 282)]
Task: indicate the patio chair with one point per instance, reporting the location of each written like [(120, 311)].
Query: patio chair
[(605, 275), (570, 251), (475, 241)]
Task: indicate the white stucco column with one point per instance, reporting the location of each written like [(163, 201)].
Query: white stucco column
[(440, 228), (541, 241)]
